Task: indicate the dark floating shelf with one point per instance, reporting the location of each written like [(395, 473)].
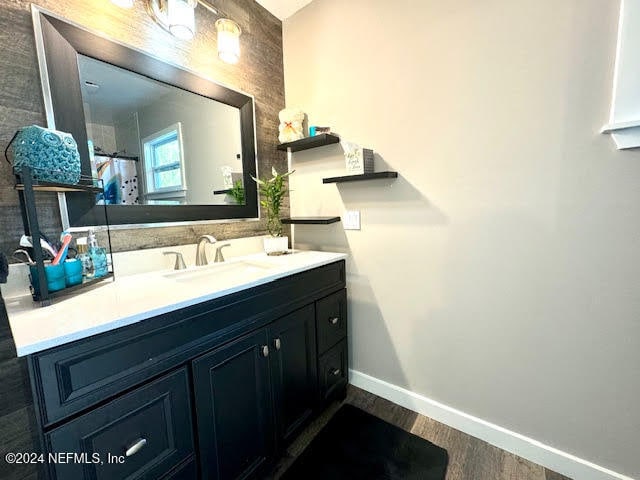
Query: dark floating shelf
[(221, 192), (61, 187), (358, 178), (310, 220), (310, 142)]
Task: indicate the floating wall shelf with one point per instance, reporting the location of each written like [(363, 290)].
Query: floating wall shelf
[(359, 178), (60, 187), (309, 142), (221, 192), (310, 220)]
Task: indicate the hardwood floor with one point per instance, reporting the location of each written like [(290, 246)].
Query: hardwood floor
[(469, 457)]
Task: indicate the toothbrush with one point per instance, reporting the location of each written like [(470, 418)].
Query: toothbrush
[(64, 249)]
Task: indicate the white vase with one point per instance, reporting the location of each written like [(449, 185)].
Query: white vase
[(275, 245)]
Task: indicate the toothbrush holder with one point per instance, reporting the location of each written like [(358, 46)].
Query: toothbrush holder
[(72, 272), (54, 275)]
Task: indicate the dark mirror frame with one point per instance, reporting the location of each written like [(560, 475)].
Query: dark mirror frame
[(61, 43)]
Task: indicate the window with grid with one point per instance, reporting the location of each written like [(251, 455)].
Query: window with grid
[(164, 167)]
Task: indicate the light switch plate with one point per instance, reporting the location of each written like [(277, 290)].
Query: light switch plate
[(351, 220)]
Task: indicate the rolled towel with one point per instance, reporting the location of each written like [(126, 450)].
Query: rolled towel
[(4, 268)]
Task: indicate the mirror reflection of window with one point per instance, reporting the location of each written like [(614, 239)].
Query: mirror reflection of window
[(164, 166)]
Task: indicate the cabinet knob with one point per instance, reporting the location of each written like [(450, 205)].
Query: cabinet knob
[(136, 447), (265, 351), (334, 372), (334, 320), (277, 343)]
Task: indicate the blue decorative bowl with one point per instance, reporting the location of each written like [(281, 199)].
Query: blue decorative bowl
[(53, 156)]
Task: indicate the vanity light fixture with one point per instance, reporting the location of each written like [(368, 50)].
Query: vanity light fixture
[(178, 17), (228, 40)]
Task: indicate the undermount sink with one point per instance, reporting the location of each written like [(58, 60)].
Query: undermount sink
[(221, 271)]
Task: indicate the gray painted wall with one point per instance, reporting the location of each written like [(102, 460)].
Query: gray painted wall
[(500, 274)]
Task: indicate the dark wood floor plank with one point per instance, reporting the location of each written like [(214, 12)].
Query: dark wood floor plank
[(515, 467), (469, 458)]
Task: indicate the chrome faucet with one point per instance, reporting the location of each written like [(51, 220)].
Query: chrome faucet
[(201, 253), (219, 257)]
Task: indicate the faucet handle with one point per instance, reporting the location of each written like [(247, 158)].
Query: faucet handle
[(219, 257), (210, 238), (179, 265)]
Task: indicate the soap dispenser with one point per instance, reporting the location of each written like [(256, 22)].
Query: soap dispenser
[(83, 255), (98, 256)]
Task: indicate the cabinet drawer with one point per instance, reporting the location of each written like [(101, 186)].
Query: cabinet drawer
[(149, 429), (331, 318), (334, 371)]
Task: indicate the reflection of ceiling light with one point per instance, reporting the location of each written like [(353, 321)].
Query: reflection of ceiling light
[(178, 17), (123, 3), (91, 87)]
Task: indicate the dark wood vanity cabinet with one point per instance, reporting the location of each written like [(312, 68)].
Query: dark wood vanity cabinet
[(213, 391)]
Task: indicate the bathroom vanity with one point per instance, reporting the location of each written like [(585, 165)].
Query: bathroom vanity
[(207, 376)]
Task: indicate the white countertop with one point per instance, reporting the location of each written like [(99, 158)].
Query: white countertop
[(135, 298)]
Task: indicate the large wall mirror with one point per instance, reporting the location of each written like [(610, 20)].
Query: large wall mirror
[(169, 145)]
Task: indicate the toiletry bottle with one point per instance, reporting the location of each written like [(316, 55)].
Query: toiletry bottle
[(84, 257), (98, 256)]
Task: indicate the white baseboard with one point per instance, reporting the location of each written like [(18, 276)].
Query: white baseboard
[(533, 450)]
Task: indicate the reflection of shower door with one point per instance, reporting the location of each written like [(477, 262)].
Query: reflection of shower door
[(120, 178)]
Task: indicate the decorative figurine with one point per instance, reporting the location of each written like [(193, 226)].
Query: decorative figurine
[(291, 128)]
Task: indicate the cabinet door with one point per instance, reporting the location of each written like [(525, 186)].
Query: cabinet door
[(294, 370), (234, 408)]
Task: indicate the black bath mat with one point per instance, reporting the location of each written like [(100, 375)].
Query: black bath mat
[(355, 445)]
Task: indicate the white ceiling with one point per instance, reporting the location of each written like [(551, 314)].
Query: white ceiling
[(283, 8), (118, 90)]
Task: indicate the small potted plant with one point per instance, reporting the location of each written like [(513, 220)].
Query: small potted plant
[(237, 192), (272, 191)]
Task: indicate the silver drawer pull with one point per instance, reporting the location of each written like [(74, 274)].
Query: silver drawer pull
[(265, 351), (334, 320), (334, 372), (277, 343), (136, 447)]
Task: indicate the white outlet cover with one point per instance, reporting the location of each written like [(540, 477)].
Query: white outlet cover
[(351, 220)]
